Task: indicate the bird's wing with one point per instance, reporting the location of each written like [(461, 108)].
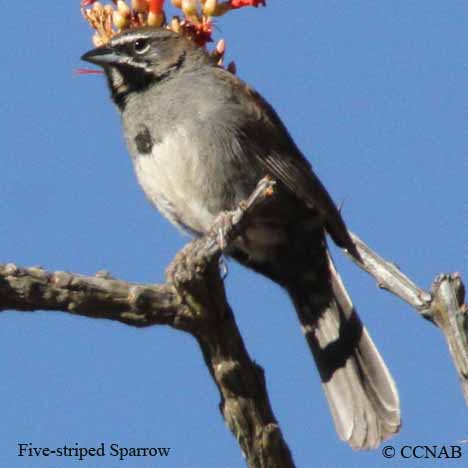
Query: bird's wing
[(270, 144)]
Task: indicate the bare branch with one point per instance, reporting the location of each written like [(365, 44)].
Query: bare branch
[(389, 276), (450, 314), (32, 289), (444, 306), (193, 300)]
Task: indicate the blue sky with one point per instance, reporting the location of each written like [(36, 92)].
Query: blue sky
[(374, 93)]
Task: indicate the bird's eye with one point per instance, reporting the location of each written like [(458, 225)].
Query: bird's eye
[(140, 46)]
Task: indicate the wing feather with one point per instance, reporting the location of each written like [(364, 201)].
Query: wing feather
[(266, 140)]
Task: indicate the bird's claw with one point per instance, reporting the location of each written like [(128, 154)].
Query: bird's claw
[(223, 227), (223, 268)]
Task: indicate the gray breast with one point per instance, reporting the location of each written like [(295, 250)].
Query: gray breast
[(186, 154)]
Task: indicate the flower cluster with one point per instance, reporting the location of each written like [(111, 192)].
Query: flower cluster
[(111, 18)]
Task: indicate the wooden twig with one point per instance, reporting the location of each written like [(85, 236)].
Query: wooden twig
[(444, 305)]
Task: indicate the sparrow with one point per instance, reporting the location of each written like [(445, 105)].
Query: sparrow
[(200, 140)]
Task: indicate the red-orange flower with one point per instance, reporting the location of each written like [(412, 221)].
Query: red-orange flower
[(156, 6), (200, 33), (244, 3)]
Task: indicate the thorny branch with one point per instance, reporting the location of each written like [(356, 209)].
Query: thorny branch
[(193, 300)]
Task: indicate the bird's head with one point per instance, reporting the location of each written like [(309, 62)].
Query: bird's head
[(139, 57)]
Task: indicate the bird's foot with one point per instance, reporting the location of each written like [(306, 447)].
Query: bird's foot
[(224, 229)]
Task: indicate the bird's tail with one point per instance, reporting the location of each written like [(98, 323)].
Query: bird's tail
[(361, 392)]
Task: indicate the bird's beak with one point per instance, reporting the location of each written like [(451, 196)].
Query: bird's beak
[(102, 56)]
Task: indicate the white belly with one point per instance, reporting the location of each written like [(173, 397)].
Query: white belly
[(176, 182)]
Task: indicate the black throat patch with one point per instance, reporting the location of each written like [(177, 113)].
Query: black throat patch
[(124, 80)]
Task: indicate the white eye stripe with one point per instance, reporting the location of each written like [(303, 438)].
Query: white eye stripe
[(139, 65), (129, 38)]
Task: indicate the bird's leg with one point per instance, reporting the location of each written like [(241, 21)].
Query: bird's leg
[(229, 225)]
